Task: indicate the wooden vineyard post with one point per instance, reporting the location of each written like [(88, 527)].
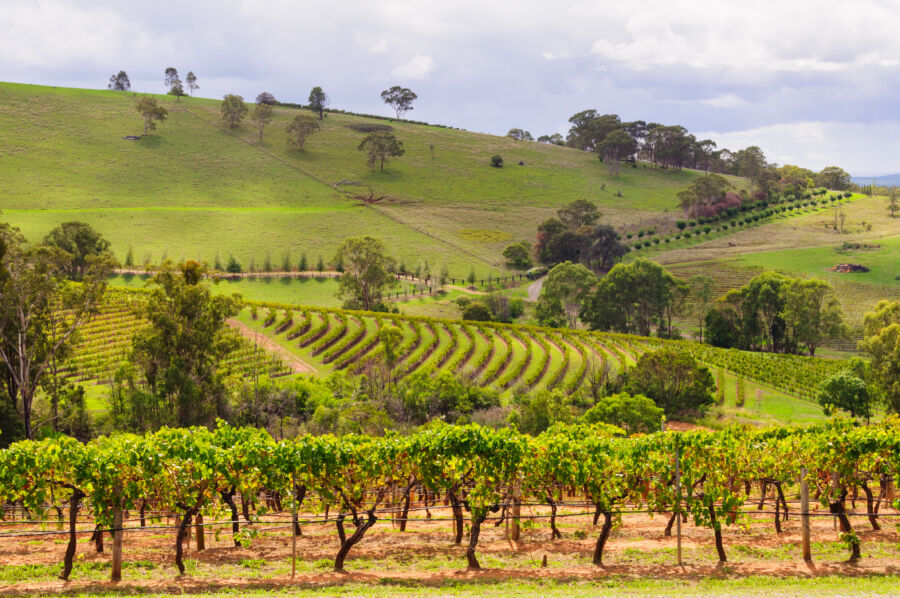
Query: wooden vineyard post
[(678, 499), (515, 533), (804, 515), (116, 574), (201, 536), (293, 530)]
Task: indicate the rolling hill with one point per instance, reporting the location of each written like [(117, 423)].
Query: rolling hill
[(194, 189)]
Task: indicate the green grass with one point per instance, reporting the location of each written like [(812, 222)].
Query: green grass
[(297, 291), (610, 585), (194, 189), (883, 262)]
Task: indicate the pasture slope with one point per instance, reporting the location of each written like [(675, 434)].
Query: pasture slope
[(195, 189)]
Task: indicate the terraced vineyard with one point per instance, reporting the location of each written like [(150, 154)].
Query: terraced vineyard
[(104, 343), (500, 356), (505, 357)]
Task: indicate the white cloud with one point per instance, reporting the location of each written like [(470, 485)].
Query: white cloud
[(728, 100), (380, 47), (416, 68), (816, 144)]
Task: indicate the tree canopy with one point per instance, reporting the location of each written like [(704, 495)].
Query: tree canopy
[(178, 356), (379, 146), (366, 275), (881, 342), (633, 298), (41, 311), (673, 379), (151, 112), (82, 245), (119, 82), (318, 99), (299, 129), (399, 98), (564, 291), (233, 110)]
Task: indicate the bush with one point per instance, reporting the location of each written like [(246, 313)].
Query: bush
[(636, 414), (477, 312), (497, 161), (673, 379), (681, 224)]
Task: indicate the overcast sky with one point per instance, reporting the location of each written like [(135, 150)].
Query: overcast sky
[(813, 83)]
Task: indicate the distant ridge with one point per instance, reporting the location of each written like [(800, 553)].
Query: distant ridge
[(883, 180)]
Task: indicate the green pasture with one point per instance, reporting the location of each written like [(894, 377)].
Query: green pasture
[(883, 261), (195, 189)]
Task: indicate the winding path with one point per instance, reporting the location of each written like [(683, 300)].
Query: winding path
[(534, 289), (297, 364)]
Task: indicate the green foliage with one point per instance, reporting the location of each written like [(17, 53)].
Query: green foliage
[(846, 392), (178, 355), (366, 272), (379, 146), (636, 414), (563, 293), (151, 112), (299, 129), (317, 100), (497, 161), (477, 312), (518, 255), (233, 110), (81, 244), (633, 297), (881, 343), (673, 379), (399, 98)]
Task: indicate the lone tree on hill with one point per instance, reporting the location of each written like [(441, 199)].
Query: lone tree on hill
[(379, 146), (299, 129), (318, 100), (151, 112), (266, 98), (233, 110), (119, 82), (399, 98), (893, 203), (262, 115), (171, 77), (82, 246), (191, 80), (177, 90), (366, 273)]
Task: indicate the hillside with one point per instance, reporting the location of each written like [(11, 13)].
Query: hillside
[(194, 189)]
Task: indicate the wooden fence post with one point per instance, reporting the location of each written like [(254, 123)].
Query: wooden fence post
[(804, 515), (678, 499), (116, 574), (293, 525)]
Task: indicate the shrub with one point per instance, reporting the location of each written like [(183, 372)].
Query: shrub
[(636, 414), (681, 224), (497, 161), (477, 312)]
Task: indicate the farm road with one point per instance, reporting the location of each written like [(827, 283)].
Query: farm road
[(534, 289), (297, 364)]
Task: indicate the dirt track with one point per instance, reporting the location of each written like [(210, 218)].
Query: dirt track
[(297, 365)]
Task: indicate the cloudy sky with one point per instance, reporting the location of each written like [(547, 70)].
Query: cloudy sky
[(813, 83)]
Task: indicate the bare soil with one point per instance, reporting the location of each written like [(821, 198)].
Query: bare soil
[(425, 554)]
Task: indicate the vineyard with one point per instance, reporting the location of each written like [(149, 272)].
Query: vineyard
[(504, 356), (104, 342), (234, 487)]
